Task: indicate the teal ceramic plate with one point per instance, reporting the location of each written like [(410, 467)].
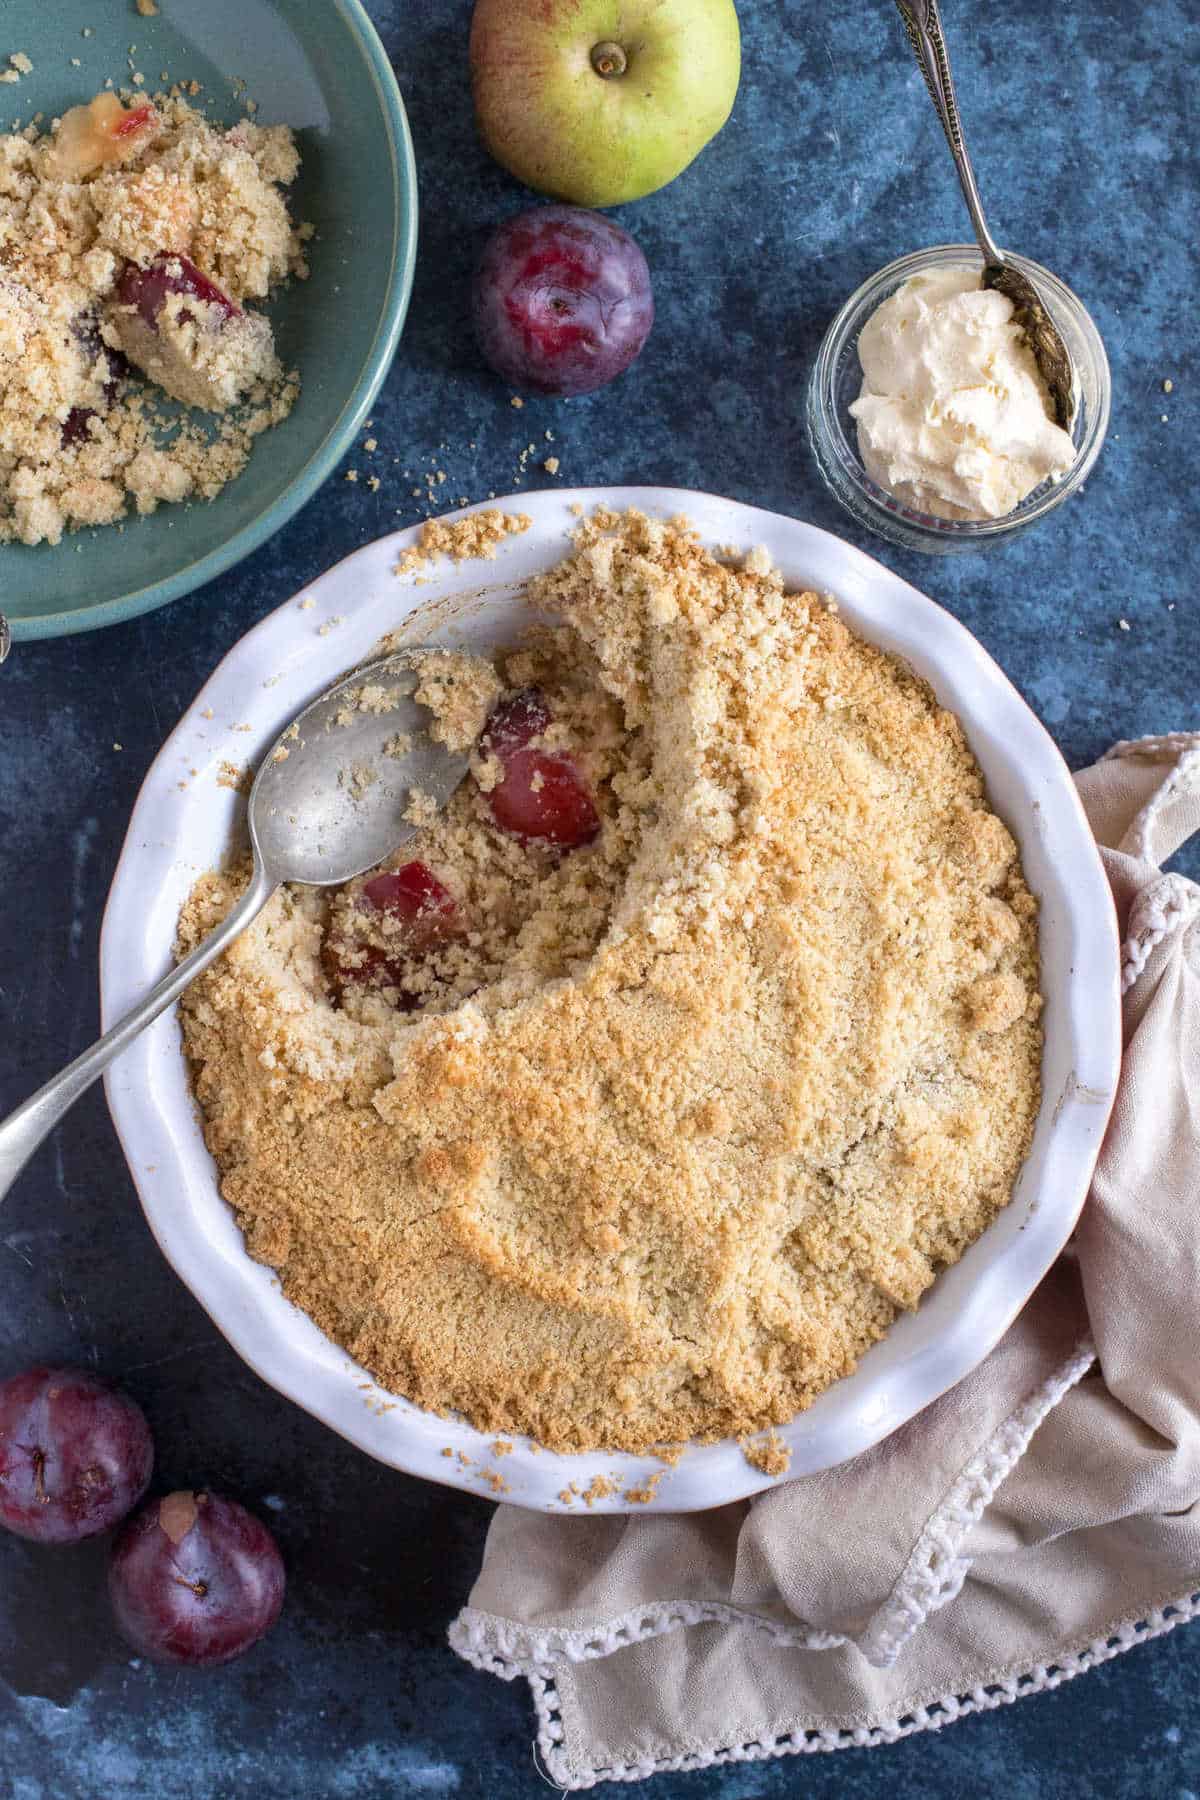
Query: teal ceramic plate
[(318, 66)]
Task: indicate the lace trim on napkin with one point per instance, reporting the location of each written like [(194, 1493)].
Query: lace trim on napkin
[(1166, 905), (1183, 749), (1171, 743), (944, 1711), (933, 1575), (1170, 903), (935, 1571)]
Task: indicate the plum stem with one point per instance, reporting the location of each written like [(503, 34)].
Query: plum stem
[(609, 59)]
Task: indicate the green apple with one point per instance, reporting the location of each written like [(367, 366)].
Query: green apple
[(600, 101)]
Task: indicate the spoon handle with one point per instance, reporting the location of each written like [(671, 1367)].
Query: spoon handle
[(923, 23), (23, 1130)]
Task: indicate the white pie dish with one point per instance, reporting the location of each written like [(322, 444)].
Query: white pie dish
[(183, 823)]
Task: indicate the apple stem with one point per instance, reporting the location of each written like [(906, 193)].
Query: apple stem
[(609, 60)]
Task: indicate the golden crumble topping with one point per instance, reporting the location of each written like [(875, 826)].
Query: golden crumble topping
[(669, 1136)]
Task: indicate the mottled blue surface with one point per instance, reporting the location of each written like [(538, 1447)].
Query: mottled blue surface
[(1084, 127)]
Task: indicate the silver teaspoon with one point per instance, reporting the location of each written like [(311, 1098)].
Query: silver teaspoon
[(327, 804), (923, 24)]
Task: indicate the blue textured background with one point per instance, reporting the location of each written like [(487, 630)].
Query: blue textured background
[(1083, 120)]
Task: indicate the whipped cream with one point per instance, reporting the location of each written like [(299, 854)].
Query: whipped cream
[(954, 418)]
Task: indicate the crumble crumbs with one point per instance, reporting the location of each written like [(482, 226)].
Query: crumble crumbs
[(768, 1454), (362, 777), (371, 697), (238, 780), (82, 440), (648, 1492), (420, 809), (477, 536), (460, 691)]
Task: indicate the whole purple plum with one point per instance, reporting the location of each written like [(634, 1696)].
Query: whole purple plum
[(562, 300)]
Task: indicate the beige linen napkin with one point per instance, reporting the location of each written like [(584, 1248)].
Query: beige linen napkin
[(1038, 1519)]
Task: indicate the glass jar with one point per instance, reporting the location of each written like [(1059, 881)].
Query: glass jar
[(837, 380)]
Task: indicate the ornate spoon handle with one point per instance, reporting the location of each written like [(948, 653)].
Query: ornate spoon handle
[(923, 24)]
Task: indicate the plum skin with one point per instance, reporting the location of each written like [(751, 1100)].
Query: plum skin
[(543, 797), (147, 289), (75, 1455), (194, 1579), (562, 300)]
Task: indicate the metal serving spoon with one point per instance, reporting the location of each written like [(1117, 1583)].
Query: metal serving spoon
[(315, 816), (924, 27)]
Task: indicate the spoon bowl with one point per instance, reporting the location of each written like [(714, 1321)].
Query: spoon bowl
[(330, 796), (1045, 340)]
